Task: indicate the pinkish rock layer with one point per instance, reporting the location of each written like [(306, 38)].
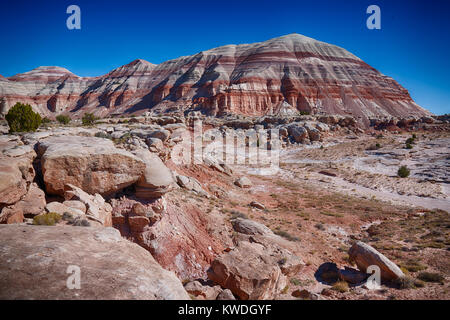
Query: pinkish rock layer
[(250, 79)]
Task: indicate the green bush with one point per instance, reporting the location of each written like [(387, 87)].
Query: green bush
[(46, 121), (63, 119), (403, 172), (409, 146), (88, 119), (22, 118), (47, 219)]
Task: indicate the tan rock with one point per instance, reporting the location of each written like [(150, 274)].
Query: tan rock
[(110, 267), (96, 207), (249, 272), (243, 182), (204, 291), (156, 180), (226, 295), (364, 256), (138, 223), (93, 164)]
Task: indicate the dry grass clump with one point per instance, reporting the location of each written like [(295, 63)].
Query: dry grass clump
[(47, 219), (340, 286)]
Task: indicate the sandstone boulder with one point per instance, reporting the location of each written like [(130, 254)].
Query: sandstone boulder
[(32, 204), (226, 295), (96, 208), (93, 164), (364, 256), (16, 173), (243, 182), (156, 180), (199, 290), (298, 133), (36, 259), (249, 271)]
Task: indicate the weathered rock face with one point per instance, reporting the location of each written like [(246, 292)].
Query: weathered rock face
[(32, 204), (249, 271), (364, 256), (93, 164), (97, 210), (16, 170), (156, 180), (18, 196), (35, 260), (282, 75), (257, 268), (181, 237)]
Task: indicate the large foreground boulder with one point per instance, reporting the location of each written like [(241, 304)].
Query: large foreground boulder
[(35, 260), (93, 164), (364, 256)]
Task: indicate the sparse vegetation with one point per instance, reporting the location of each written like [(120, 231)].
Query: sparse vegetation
[(47, 219), (413, 266), (45, 121), (22, 118), (431, 277), (237, 214), (404, 283), (403, 172), (340, 286), (88, 119), (63, 119), (286, 235)]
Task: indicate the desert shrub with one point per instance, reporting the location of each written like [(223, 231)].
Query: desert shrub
[(403, 172), (286, 235), (404, 283), (47, 219), (340, 286), (430, 277), (409, 141), (295, 281), (320, 226), (22, 118), (63, 119), (409, 146), (46, 120), (413, 266), (304, 113), (237, 214), (414, 136), (88, 119)]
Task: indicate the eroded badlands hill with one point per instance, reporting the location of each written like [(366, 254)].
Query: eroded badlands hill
[(293, 73)]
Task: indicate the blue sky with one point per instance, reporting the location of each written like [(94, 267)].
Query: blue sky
[(413, 45)]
